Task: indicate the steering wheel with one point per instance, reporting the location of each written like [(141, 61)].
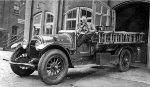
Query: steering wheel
[(82, 28)]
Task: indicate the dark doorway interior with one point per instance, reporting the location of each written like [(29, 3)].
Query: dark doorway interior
[(134, 17)]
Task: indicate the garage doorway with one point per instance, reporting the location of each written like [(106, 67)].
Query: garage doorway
[(134, 17)]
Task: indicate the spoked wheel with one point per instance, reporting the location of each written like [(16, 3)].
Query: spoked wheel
[(125, 59), (53, 67), (20, 56)]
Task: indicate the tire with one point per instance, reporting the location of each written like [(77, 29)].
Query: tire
[(124, 60), (53, 66), (18, 57)]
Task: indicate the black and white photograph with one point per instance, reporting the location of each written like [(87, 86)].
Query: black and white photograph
[(74, 43)]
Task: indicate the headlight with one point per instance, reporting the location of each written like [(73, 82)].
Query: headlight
[(37, 43), (24, 44), (15, 45)]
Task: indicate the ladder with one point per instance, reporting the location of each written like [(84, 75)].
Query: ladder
[(120, 37)]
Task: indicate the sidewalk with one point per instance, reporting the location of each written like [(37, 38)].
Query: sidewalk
[(5, 55)]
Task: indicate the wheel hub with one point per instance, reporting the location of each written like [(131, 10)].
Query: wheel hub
[(54, 66), (22, 59)]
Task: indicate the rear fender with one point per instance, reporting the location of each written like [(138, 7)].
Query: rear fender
[(131, 49)]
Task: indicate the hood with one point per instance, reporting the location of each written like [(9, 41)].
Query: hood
[(58, 38)]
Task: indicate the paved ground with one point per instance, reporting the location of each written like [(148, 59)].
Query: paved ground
[(78, 77)]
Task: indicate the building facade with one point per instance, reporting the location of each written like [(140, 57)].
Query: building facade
[(50, 16), (11, 21)]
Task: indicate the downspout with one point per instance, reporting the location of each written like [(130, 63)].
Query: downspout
[(31, 20), (58, 17), (28, 20), (108, 3), (148, 48)]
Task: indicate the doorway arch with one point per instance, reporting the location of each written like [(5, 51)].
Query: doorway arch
[(133, 16)]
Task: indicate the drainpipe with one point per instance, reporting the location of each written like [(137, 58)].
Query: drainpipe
[(60, 15), (148, 50), (28, 20), (108, 3)]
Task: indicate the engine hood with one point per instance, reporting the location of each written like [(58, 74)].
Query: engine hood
[(58, 38)]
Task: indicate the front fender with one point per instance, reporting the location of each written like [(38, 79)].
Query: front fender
[(49, 46), (16, 45), (22, 44), (43, 46)]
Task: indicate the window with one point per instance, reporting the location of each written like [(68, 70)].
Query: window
[(14, 33), (73, 16), (102, 15), (37, 24), (16, 8), (14, 30), (49, 23)]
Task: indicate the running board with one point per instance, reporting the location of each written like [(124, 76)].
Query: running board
[(21, 64)]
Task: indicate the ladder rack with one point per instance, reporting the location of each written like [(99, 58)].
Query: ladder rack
[(120, 37)]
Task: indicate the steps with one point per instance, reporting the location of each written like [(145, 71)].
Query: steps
[(13, 39)]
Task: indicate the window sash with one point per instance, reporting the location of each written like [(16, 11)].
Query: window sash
[(49, 26), (38, 25)]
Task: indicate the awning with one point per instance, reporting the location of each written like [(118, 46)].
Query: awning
[(2, 29)]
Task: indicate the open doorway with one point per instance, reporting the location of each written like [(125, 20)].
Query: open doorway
[(134, 17)]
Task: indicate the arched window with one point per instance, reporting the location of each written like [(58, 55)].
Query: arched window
[(49, 23), (73, 17), (37, 20)]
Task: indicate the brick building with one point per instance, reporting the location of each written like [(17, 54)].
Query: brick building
[(50, 16), (11, 21)]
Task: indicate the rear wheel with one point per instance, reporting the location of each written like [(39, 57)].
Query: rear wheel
[(20, 56), (124, 60), (53, 66)]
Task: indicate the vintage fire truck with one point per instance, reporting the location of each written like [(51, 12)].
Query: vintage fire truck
[(52, 55)]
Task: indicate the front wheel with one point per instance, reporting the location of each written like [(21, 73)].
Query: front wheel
[(53, 66), (124, 60), (20, 56)]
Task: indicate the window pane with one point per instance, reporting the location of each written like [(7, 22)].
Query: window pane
[(68, 25), (89, 20), (89, 14), (104, 18), (97, 21), (48, 30), (71, 25), (14, 30), (49, 18), (72, 14), (98, 8), (37, 19), (83, 13), (108, 21), (36, 31), (105, 10)]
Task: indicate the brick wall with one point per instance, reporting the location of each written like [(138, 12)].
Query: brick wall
[(9, 19)]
